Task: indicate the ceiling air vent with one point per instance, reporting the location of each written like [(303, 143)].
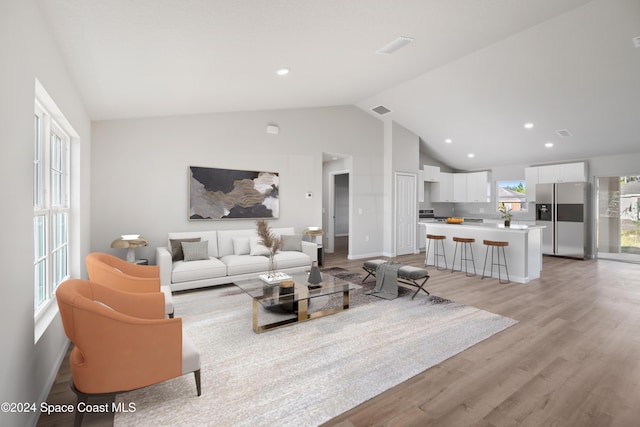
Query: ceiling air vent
[(564, 133), (381, 109), (395, 45)]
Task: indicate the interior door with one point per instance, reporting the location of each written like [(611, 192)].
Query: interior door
[(406, 213)]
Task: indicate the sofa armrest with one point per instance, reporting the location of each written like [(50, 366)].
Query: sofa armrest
[(163, 259), (310, 249)]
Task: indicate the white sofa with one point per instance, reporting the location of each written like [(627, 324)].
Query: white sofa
[(229, 258)]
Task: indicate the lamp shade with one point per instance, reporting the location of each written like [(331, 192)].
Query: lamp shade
[(313, 231), (130, 242), (127, 241)]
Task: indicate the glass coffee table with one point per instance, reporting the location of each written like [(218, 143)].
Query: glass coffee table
[(293, 298)]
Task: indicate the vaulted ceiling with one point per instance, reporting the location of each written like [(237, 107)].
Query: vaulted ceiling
[(475, 72)]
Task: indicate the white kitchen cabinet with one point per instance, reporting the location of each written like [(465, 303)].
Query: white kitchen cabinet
[(431, 173), (573, 172), (478, 187), (460, 187), (442, 191), (531, 180), (567, 172), (548, 174)]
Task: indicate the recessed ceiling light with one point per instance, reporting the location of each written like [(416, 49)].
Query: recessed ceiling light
[(282, 71), (448, 140), (528, 125), (548, 144), (471, 155)]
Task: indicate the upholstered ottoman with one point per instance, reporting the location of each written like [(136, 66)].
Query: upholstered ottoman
[(406, 274)]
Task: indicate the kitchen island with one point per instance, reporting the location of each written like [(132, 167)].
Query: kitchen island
[(524, 253)]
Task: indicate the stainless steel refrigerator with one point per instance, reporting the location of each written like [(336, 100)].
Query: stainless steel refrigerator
[(562, 209)]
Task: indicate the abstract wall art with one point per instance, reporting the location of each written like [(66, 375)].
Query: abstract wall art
[(218, 194)]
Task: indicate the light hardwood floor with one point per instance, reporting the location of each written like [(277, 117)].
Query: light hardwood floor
[(572, 360)]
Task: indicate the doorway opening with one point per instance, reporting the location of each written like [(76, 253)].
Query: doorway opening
[(341, 213), (618, 222), (337, 205)]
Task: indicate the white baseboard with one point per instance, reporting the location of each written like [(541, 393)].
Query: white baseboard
[(361, 256)]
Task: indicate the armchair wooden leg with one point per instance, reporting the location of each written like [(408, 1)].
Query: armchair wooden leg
[(84, 398), (198, 386)]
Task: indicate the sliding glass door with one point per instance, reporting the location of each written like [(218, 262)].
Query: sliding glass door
[(618, 228)]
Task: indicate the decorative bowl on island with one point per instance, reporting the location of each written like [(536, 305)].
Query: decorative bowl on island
[(452, 220)]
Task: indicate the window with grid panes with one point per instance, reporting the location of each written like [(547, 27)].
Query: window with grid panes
[(51, 202)]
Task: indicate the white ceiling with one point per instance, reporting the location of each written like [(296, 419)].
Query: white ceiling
[(476, 72)]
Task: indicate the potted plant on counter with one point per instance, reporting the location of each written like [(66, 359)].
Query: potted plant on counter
[(506, 214)]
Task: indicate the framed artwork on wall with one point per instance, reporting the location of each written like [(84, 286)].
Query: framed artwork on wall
[(218, 194)]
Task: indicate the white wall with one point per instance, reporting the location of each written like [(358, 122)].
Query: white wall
[(27, 53), (140, 169)]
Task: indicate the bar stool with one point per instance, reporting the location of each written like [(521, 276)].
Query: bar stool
[(495, 247), (436, 252), (466, 245)]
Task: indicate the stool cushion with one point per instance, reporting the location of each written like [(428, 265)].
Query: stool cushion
[(436, 237), (464, 239)]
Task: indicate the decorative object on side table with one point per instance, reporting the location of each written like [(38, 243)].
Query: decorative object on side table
[(314, 235), (130, 242), (506, 214), (315, 277), (273, 243)]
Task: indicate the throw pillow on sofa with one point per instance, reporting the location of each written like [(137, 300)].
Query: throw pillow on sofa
[(292, 242), (195, 251), (257, 248), (176, 247), (241, 246)]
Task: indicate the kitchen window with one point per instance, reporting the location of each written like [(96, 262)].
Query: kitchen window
[(513, 195)]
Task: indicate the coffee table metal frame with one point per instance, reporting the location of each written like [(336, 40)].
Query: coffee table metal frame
[(301, 295)]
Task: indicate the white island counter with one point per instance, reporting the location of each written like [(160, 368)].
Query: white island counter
[(524, 253)]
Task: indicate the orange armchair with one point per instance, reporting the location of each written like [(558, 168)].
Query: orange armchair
[(122, 341), (117, 273)]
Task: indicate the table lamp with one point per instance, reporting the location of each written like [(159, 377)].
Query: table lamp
[(129, 242), (313, 233)]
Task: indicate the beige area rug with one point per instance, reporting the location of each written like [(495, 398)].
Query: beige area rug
[(305, 374)]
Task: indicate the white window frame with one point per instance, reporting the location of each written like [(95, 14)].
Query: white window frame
[(63, 245), (51, 200)]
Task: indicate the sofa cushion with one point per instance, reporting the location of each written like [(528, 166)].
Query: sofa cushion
[(292, 242), (241, 246), (195, 251), (225, 238), (197, 270), (243, 264), (289, 259), (177, 253)]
